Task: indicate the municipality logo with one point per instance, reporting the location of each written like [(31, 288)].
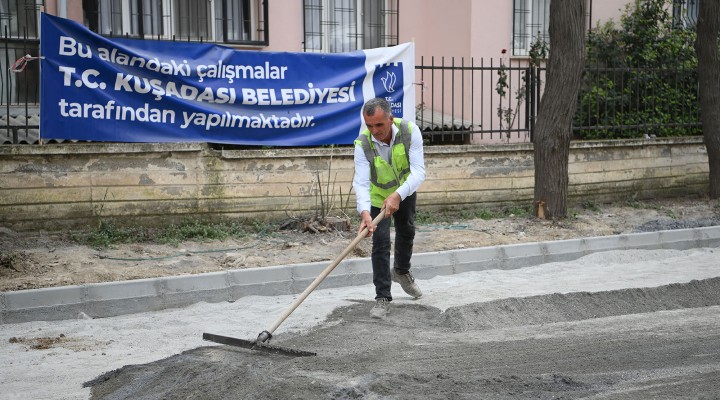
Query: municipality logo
[(388, 84), (388, 81)]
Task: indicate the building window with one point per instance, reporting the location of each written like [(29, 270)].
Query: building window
[(192, 20), (238, 23), (241, 22), (19, 19), (685, 13), (531, 19), (530, 24), (335, 26), (19, 35)]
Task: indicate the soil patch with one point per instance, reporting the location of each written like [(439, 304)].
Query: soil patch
[(30, 260)]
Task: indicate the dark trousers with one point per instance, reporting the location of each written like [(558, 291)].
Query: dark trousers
[(404, 221)]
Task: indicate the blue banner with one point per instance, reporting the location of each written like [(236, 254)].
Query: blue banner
[(129, 90)]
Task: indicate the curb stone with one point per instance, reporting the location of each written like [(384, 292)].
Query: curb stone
[(127, 297)]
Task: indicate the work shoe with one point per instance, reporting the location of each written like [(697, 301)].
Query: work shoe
[(407, 282), (381, 308)]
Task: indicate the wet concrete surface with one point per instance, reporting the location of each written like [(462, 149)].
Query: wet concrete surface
[(621, 324), (635, 343)]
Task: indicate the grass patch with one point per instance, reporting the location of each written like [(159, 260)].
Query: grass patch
[(108, 233), (591, 205), (669, 212), (636, 204), (8, 260), (193, 229)]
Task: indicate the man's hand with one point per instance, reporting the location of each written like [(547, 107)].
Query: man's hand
[(392, 204), (366, 221)]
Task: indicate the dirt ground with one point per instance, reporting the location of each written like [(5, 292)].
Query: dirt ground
[(41, 259)]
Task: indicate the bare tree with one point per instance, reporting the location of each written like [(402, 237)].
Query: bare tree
[(557, 107), (706, 46)]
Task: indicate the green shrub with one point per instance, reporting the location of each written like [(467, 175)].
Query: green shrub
[(640, 77)]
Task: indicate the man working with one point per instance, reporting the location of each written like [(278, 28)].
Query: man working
[(389, 168)]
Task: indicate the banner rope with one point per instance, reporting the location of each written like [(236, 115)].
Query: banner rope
[(21, 62)]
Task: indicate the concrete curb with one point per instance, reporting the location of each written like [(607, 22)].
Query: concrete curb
[(127, 297)]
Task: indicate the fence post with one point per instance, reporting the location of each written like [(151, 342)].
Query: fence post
[(8, 85), (533, 98)]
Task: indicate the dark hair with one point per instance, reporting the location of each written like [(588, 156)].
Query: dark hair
[(373, 104)]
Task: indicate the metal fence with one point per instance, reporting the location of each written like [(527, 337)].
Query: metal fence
[(459, 101), (19, 90), (19, 30), (487, 100)]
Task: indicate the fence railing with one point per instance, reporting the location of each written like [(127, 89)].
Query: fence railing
[(497, 101), (468, 101), (459, 101), (19, 90)]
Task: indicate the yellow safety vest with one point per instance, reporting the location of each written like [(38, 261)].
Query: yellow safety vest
[(386, 177)]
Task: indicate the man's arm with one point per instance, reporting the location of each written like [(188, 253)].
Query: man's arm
[(361, 185)]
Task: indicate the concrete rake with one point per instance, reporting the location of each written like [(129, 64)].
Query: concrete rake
[(262, 341)]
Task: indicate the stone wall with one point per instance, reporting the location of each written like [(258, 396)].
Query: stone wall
[(65, 186)]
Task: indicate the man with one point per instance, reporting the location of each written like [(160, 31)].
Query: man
[(389, 168)]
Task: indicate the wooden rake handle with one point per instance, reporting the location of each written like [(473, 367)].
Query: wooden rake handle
[(363, 234)]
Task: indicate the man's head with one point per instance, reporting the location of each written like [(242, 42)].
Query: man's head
[(379, 119)]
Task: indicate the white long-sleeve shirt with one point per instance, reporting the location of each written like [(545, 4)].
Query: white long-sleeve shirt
[(361, 181)]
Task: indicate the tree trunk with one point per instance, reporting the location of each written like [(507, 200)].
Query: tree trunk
[(706, 46), (557, 107)]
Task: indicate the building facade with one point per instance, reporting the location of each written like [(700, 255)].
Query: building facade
[(497, 33)]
